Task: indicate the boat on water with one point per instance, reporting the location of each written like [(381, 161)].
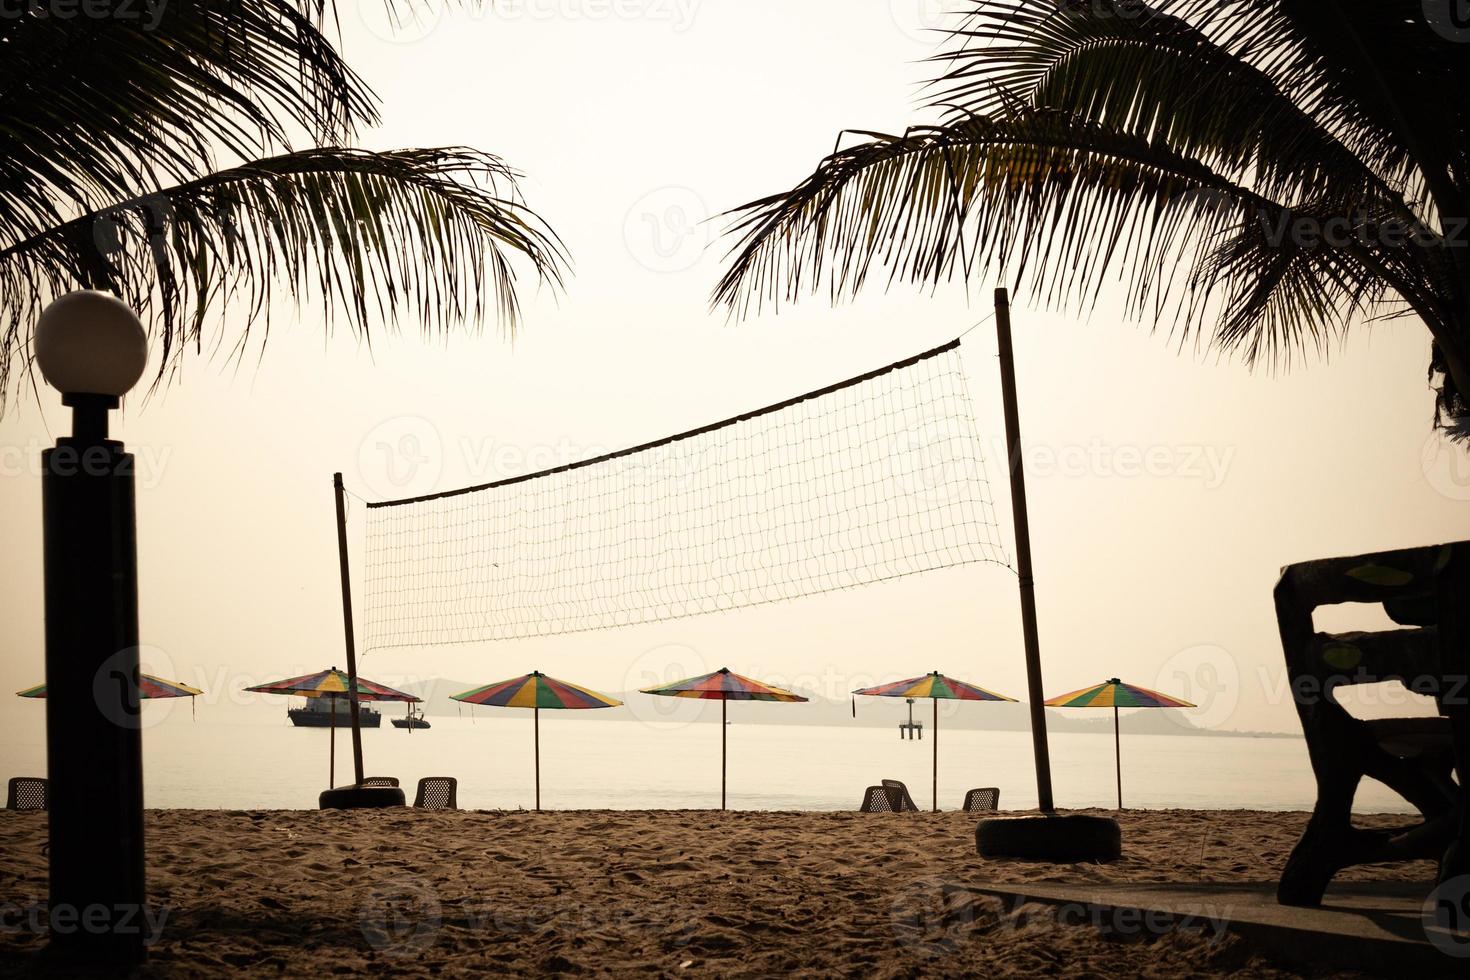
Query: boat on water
[(414, 720), (319, 712)]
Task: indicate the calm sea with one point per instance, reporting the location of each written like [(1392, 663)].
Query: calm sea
[(250, 758)]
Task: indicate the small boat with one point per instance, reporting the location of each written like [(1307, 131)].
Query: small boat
[(319, 712), (414, 720)]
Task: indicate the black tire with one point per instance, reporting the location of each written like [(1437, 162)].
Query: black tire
[(1061, 840), (360, 798)]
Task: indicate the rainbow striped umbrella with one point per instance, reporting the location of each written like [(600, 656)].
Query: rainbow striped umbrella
[(333, 683), (1114, 694), (937, 687), (724, 686), (149, 687), (536, 691)]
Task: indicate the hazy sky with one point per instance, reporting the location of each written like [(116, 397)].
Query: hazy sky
[(1167, 488)]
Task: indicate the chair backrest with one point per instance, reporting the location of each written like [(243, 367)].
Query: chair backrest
[(437, 793), (906, 802), (880, 799), (26, 793), (381, 781), (982, 800)]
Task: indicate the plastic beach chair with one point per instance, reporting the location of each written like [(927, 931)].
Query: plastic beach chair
[(887, 799), (985, 800), (26, 793), (907, 801), (437, 793), (381, 781)]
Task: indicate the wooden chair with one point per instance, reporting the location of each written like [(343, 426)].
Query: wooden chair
[(984, 800), (26, 793), (437, 793), (1426, 593)]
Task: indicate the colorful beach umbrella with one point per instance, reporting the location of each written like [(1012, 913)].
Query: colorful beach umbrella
[(149, 688), (937, 687), (536, 691), (724, 686), (332, 683), (1114, 694)]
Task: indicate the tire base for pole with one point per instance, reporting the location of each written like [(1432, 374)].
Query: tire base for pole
[(1070, 839), (361, 798)]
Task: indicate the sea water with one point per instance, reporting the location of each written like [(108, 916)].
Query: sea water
[(252, 758)]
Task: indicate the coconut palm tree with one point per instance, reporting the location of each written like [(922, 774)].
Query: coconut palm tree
[(195, 157), (1259, 173)]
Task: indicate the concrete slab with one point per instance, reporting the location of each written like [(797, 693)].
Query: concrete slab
[(1373, 927)]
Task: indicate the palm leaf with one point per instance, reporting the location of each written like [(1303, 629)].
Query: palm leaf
[(431, 235), (1155, 145), (99, 109)]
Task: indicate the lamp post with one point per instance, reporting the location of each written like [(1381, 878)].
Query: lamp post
[(91, 347)]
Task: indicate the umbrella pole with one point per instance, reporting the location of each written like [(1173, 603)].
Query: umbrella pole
[(536, 723), (935, 740), (332, 750), (724, 705), (1118, 755)]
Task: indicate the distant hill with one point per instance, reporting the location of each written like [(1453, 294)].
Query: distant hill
[(871, 713)]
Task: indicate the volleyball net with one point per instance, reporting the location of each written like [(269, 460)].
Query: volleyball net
[(874, 478)]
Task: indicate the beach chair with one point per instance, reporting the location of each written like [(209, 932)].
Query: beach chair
[(381, 781), (891, 797), (984, 800), (26, 793), (437, 793), (906, 801), (1425, 592)]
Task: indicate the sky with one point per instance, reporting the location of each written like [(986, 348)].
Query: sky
[(1167, 486)]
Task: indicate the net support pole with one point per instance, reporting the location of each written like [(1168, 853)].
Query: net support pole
[(1035, 694), (347, 630)]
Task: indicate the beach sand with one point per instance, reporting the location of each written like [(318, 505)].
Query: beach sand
[(683, 893)]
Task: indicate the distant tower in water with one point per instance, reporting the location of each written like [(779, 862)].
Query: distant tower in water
[(911, 728)]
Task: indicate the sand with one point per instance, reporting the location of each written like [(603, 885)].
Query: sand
[(679, 894)]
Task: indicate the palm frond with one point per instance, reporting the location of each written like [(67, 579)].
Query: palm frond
[(1066, 206), (101, 108), (1039, 189), (1139, 69), (433, 236), (1181, 149)]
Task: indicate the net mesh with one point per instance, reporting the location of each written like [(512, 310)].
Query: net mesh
[(879, 477)]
